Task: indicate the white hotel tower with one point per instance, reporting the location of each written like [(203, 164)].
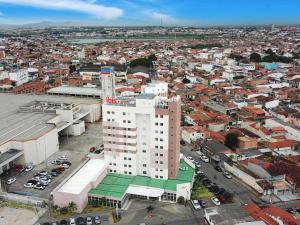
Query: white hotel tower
[(141, 135)]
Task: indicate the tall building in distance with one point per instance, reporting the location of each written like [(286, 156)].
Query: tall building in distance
[(107, 74), (141, 135)]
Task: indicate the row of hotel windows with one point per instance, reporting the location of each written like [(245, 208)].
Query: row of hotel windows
[(112, 112), (113, 120), (121, 136)]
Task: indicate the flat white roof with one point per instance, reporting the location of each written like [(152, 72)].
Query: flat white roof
[(145, 191), (76, 91), (83, 177)]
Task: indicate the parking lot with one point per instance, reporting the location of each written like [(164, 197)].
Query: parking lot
[(74, 148)]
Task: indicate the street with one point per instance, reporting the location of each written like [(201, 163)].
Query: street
[(241, 193)]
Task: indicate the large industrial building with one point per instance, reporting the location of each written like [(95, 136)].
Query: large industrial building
[(30, 125), (142, 158)]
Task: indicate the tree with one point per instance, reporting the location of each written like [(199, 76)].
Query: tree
[(180, 200), (269, 52), (141, 62), (231, 140), (186, 81), (72, 206), (152, 57), (255, 57), (150, 209), (72, 68)]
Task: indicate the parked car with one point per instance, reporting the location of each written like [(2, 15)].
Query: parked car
[(202, 203), (63, 222), (39, 187), (72, 221), (216, 201), (89, 221), (227, 174), (66, 162), (62, 157), (92, 149), (56, 162), (190, 158), (97, 220), (43, 173), (218, 168), (28, 168), (11, 181), (54, 223), (60, 168), (80, 221), (204, 158), (197, 164), (29, 185), (199, 172), (196, 204), (56, 171), (182, 142), (66, 166)]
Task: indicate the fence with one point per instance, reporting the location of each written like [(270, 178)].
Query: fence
[(27, 200)]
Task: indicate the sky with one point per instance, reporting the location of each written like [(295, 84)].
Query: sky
[(152, 12)]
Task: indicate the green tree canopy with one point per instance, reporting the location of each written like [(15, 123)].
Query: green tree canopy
[(255, 57), (231, 140)]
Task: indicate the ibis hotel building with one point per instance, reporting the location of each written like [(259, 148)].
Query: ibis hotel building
[(141, 159), (141, 138)]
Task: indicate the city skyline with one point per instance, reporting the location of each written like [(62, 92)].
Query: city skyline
[(150, 12)]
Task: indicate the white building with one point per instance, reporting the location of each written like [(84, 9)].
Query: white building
[(30, 125), (141, 135), (20, 76), (108, 82), (160, 89)]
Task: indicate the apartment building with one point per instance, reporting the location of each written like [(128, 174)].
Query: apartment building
[(141, 135)]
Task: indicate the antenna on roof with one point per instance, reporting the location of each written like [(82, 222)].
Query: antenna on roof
[(161, 22)]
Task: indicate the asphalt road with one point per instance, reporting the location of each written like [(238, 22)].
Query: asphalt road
[(241, 193)]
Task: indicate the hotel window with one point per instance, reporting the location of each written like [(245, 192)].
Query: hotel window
[(161, 147), (156, 162), (108, 120), (161, 139), (161, 116), (128, 121), (156, 139), (144, 151), (125, 158), (144, 172), (156, 124), (156, 131), (112, 112), (161, 155), (125, 172), (156, 147), (115, 164), (108, 112), (156, 154), (144, 143), (124, 113), (129, 158), (144, 165), (161, 132), (129, 166), (161, 124), (129, 172), (161, 177), (161, 162), (156, 116), (156, 176), (124, 121)]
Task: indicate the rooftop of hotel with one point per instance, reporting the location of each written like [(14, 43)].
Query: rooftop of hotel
[(116, 185)]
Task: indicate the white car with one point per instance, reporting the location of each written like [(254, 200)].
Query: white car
[(29, 185), (28, 168), (204, 158), (89, 221), (216, 201), (196, 204), (11, 180), (190, 158), (62, 157), (227, 174), (66, 166), (72, 221)]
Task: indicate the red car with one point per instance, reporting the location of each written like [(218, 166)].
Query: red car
[(92, 149), (60, 168), (221, 199)]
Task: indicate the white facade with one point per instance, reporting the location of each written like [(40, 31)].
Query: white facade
[(108, 82), (136, 137), (160, 89), (20, 76)]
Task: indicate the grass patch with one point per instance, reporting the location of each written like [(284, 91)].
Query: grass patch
[(17, 205), (201, 192)]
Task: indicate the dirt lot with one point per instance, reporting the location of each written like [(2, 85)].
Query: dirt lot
[(74, 148), (9, 216)]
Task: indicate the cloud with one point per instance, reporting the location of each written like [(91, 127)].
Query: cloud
[(166, 19), (1, 13), (84, 6)]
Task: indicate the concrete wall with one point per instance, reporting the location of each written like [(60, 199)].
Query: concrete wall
[(246, 178)]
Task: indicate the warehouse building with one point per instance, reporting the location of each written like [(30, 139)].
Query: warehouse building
[(30, 125)]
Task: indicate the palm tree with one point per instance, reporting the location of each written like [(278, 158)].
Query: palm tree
[(72, 206)]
